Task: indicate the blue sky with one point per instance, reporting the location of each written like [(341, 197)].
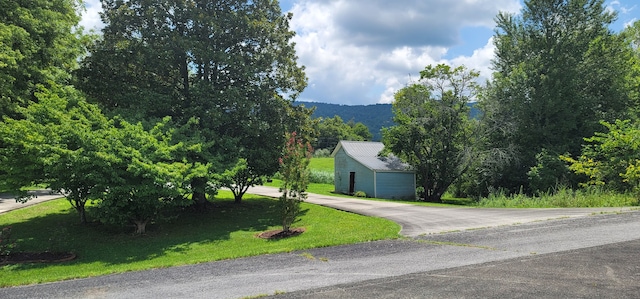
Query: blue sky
[(359, 52)]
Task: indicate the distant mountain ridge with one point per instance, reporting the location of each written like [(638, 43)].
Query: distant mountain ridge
[(375, 116)]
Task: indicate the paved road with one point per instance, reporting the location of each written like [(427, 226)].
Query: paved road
[(419, 220), (8, 202), (587, 255)]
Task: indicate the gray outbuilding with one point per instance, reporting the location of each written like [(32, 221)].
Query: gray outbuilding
[(358, 167)]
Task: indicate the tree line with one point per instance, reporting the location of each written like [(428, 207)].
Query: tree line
[(560, 110)]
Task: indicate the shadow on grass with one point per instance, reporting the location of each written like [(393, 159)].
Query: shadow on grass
[(110, 245)]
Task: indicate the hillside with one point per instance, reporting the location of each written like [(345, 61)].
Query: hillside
[(375, 117)]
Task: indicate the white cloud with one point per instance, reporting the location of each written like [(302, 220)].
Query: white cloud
[(91, 15), (362, 52), (480, 60)]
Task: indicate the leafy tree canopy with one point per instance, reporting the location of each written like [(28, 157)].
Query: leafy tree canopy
[(433, 133), (224, 71), (331, 130), (611, 159), (559, 70), (38, 45)]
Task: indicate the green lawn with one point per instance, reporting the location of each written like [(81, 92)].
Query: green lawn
[(228, 231), (327, 189), (322, 164)]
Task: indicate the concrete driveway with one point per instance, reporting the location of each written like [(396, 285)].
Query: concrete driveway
[(419, 220), (8, 202)]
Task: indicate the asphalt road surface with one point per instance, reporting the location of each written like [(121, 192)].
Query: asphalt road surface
[(593, 256), (420, 220)]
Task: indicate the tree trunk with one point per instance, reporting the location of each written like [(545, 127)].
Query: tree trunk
[(79, 206), (239, 193), (198, 195), (432, 195), (83, 215), (141, 226), (435, 198), (237, 197)]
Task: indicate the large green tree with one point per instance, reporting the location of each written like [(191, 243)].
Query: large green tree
[(433, 133), (631, 34), (71, 147), (558, 71), (225, 71), (38, 45), (143, 182)]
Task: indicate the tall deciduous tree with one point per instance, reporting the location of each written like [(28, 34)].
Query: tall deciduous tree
[(38, 45), (632, 36), (559, 70), (433, 132), (225, 71)]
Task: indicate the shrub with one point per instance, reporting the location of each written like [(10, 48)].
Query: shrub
[(360, 194), (321, 177), (322, 153), (549, 173)]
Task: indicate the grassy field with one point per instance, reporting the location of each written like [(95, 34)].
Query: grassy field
[(321, 164), (228, 231)]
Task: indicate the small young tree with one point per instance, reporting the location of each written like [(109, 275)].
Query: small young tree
[(295, 178), (238, 179)]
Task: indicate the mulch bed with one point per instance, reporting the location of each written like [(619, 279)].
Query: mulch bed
[(280, 234), (37, 257)]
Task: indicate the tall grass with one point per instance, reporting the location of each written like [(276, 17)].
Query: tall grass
[(321, 171), (562, 198), (321, 177)]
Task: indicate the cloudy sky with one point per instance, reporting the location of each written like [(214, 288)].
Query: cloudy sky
[(360, 52)]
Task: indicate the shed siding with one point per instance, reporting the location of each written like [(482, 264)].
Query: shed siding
[(343, 166), (396, 185)]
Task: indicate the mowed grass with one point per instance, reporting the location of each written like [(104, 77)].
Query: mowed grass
[(322, 164), (228, 231)]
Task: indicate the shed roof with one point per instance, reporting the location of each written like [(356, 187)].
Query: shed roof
[(366, 153)]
